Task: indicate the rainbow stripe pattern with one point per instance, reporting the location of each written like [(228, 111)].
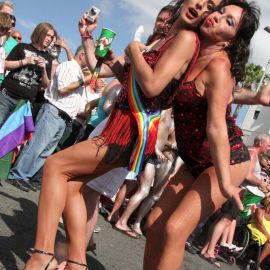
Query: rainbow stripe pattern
[(95, 74), (147, 124), (17, 128)]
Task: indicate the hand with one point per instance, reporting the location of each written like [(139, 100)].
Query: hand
[(110, 58), (263, 96), (171, 176), (62, 43), (41, 63), (232, 192), (30, 60), (136, 44), (160, 155), (85, 26)]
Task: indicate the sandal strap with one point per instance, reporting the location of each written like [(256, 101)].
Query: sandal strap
[(34, 250), (81, 264)]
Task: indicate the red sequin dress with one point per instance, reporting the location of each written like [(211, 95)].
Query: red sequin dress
[(121, 131), (190, 114)]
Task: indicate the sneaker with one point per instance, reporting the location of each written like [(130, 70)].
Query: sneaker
[(28, 184), (235, 248), (97, 229), (18, 184)]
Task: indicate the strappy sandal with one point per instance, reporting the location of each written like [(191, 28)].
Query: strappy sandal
[(81, 264), (34, 250)]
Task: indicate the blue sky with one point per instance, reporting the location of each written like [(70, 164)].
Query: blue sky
[(122, 16), (64, 15)]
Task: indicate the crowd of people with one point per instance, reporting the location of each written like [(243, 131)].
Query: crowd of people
[(160, 133)]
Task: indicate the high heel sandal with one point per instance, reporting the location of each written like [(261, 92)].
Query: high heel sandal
[(81, 264), (34, 250)]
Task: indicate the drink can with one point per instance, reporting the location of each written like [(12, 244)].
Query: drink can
[(104, 43)]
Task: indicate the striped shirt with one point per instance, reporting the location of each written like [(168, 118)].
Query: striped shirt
[(66, 73)]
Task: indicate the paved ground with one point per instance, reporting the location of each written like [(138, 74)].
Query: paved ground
[(115, 251)]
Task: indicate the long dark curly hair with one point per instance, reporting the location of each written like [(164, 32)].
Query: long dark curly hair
[(239, 48)]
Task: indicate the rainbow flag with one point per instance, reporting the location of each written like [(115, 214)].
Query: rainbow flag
[(17, 128), (147, 124)]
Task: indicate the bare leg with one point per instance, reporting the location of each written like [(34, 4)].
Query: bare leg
[(83, 160), (231, 231), (215, 234), (160, 179), (146, 179), (167, 203), (203, 198), (75, 217), (224, 236), (91, 198), (120, 197), (265, 253)]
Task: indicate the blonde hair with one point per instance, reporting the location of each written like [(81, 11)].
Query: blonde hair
[(266, 201), (6, 3), (40, 32)]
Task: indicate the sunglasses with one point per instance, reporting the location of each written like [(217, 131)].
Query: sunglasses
[(12, 18)]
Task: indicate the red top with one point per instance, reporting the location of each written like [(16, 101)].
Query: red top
[(121, 131), (190, 116)]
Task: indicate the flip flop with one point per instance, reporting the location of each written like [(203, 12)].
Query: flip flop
[(129, 233), (211, 260)]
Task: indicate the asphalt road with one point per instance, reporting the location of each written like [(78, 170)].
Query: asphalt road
[(115, 251)]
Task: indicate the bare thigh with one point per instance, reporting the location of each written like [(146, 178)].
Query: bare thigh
[(171, 197), (82, 161), (203, 198)]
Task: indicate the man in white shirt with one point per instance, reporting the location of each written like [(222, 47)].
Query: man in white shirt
[(255, 186), (61, 106)]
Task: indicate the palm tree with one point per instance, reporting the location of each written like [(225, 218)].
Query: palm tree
[(254, 74)]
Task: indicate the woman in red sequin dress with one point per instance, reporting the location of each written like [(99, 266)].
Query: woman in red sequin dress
[(208, 140), (67, 171)]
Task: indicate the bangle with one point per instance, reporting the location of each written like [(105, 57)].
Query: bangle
[(87, 36), (20, 63)]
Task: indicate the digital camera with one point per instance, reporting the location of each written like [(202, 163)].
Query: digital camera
[(93, 13)]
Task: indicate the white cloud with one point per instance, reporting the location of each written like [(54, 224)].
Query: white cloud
[(141, 12), (26, 24)]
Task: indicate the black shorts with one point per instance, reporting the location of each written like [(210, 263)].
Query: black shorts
[(230, 208)]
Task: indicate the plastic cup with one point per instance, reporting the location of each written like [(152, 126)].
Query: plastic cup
[(104, 43)]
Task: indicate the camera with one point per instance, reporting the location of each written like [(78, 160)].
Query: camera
[(92, 14)]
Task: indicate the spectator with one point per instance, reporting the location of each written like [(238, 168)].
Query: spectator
[(30, 67), (108, 95), (8, 8), (55, 49), (17, 35), (254, 184), (260, 230), (5, 23), (59, 109)]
